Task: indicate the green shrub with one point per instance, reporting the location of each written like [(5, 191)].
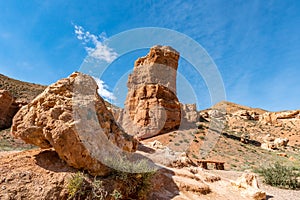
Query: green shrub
[(202, 138), (195, 156), (280, 176), (75, 185), (200, 126), (81, 187), (135, 175), (116, 194)]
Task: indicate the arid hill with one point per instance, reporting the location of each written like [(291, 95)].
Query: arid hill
[(19, 89)]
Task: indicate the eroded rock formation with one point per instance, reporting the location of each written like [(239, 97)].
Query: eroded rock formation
[(8, 108), (249, 187), (151, 106), (189, 112), (71, 117)]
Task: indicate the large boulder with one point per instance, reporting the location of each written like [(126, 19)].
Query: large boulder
[(71, 117), (8, 108), (151, 106)]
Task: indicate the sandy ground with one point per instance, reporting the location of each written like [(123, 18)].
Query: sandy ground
[(273, 193), (221, 188)]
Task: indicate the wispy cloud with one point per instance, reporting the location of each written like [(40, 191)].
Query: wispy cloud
[(95, 45), (103, 90)]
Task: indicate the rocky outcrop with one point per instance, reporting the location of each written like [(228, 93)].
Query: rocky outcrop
[(248, 115), (272, 143), (281, 142), (249, 187), (8, 108), (273, 118), (151, 106), (71, 117), (189, 112)]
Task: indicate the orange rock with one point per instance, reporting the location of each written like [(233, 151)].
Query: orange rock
[(71, 117), (151, 106), (8, 109)]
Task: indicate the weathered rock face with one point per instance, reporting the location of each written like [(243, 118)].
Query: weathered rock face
[(276, 117), (249, 187), (151, 106), (248, 115), (272, 143), (8, 108), (189, 112), (71, 117), (158, 67)]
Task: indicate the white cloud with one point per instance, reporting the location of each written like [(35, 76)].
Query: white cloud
[(103, 90), (94, 45)]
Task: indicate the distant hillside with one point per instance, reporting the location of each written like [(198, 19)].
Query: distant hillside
[(19, 89), (233, 107)]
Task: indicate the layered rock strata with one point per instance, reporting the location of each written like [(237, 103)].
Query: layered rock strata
[(151, 106)]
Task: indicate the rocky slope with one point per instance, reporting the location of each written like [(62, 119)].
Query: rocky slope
[(257, 124), (20, 90)]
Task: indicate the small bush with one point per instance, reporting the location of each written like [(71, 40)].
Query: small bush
[(135, 175), (117, 195), (202, 138), (200, 126), (195, 156), (81, 187), (186, 141), (75, 185), (280, 176)]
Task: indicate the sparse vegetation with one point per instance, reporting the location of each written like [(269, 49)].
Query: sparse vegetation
[(76, 185), (122, 185), (200, 126), (80, 186), (135, 176), (202, 138), (195, 156), (116, 194), (281, 176), (186, 141), (128, 180)]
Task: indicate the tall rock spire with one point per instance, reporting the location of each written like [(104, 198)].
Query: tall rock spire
[(151, 106)]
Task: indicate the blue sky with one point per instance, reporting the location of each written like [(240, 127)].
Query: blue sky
[(254, 44)]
